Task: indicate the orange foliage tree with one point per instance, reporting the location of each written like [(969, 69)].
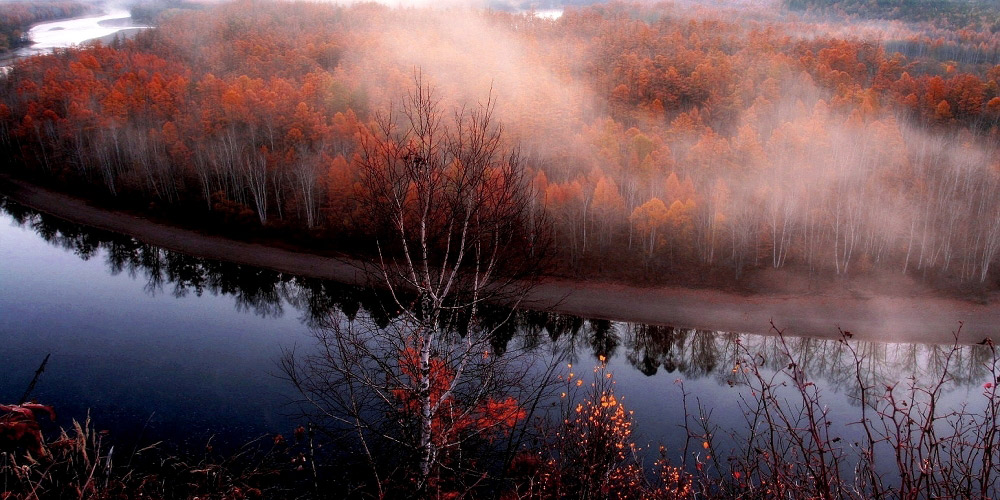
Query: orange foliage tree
[(590, 452)]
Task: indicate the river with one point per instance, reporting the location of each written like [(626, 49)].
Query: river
[(48, 36), (157, 345), (68, 32), (131, 352)]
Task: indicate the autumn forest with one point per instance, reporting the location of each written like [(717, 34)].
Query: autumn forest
[(656, 139)]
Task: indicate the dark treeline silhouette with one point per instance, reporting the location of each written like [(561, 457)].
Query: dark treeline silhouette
[(650, 349)]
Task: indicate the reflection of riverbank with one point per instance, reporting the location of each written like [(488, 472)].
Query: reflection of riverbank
[(648, 349), (917, 319)]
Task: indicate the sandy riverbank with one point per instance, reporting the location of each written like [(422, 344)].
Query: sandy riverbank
[(921, 317)]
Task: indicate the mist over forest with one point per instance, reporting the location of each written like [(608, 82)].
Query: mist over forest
[(664, 141)]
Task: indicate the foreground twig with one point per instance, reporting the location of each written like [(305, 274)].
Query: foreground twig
[(34, 380)]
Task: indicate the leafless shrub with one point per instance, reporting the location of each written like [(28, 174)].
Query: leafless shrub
[(909, 443)]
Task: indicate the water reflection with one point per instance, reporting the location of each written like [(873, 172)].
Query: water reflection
[(652, 350), (696, 353)]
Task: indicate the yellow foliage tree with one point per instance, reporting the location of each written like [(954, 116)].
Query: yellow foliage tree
[(648, 219)]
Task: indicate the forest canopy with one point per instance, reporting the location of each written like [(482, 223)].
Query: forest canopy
[(657, 138)]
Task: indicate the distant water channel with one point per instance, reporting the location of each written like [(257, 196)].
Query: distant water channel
[(62, 33), (159, 345), (68, 32)]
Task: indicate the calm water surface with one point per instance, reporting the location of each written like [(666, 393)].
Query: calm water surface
[(131, 350), (158, 345)]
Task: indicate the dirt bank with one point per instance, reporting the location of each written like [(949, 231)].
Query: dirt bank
[(919, 317)]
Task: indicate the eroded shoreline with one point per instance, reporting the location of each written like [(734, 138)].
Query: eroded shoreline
[(922, 319)]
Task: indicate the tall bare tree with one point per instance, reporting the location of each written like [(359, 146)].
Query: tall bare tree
[(453, 231)]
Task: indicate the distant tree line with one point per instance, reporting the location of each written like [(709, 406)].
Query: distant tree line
[(983, 15), (149, 11)]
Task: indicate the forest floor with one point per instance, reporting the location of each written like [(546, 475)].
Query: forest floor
[(897, 309)]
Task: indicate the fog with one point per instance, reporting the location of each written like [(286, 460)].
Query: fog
[(888, 188), (467, 55)]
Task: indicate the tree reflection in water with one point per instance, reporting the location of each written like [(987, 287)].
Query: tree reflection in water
[(650, 349)]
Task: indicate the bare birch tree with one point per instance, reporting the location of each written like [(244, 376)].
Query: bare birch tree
[(453, 231)]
